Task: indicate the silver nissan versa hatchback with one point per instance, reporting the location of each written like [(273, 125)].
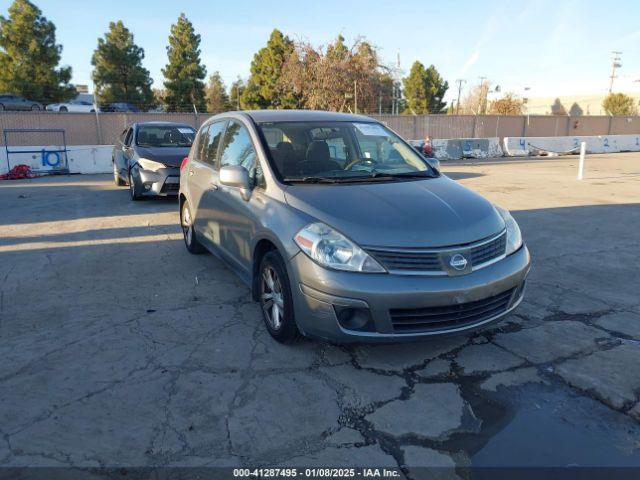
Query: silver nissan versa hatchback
[(344, 232)]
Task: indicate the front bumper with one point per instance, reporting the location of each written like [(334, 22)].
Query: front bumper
[(163, 182), (319, 294)]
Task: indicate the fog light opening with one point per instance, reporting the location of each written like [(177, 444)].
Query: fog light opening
[(357, 319)]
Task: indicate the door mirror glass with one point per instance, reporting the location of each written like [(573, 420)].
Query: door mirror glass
[(235, 176)]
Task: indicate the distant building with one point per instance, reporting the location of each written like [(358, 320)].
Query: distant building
[(82, 88), (575, 105)]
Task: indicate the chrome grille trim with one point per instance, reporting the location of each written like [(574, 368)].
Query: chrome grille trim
[(399, 260)]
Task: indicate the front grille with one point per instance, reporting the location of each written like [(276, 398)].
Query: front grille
[(407, 260), (488, 251), (429, 261), (416, 320), (170, 187)]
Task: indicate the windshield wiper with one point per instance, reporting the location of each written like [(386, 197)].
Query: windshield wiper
[(384, 176), (310, 180), (421, 174)]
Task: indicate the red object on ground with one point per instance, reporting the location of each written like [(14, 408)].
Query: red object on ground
[(427, 149), (18, 172)]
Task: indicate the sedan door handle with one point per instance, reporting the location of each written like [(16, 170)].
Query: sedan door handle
[(214, 186)]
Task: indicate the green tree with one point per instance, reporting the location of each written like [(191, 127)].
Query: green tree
[(619, 104), (262, 90), (29, 56), (184, 73), (118, 72), (424, 90), (235, 94), (216, 93)]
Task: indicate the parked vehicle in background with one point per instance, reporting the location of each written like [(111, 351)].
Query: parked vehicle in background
[(74, 105), (344, 231), (120, 107), (147, 157), (9, 101)]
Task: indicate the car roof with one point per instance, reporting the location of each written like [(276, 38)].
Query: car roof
[(162, 124), (302, 116)]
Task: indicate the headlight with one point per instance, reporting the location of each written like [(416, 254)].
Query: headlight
[(147, 164), (331, 249), (514, 237)]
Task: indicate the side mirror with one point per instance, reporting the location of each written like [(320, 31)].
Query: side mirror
[(236, 176)]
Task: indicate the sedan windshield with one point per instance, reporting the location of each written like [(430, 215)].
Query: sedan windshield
[(340, 152), (164, 136)]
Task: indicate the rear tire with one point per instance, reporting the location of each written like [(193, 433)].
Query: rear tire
[(189, 232), (116, 177), (63, 109), (133, 190), (276, 299), (35, 107)]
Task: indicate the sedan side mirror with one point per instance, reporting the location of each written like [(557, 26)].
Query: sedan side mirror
[(236, 176)]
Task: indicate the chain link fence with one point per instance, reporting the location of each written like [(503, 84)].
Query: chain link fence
[(104, 128)]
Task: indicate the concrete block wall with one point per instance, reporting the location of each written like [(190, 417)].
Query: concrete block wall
[(81, 158), (456, 149), (526, 146)]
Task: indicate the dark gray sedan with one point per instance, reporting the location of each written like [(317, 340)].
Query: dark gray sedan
[(147, 157)]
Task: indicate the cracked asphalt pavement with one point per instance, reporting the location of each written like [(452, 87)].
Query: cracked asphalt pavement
[(121, 349)]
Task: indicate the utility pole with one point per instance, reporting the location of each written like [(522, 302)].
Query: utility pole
[(460, 82), (355, 96), (483, 95), (615, 63)]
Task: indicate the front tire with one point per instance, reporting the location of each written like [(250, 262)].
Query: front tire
[(190, 238), (116, 176), (135, 195), (35, 108), (63, 109), (276, 299)]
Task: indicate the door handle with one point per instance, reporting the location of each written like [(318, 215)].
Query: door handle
[(214, 186)]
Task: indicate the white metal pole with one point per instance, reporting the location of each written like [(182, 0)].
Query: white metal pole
[(583, 150)]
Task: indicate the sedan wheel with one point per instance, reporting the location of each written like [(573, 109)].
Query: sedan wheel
[(35, 107), (271, 298), (133, 190), (276, 300), (116, 177), (190, 239)]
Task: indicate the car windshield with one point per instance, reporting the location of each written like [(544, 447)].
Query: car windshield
[(164, 136), (341, 152)]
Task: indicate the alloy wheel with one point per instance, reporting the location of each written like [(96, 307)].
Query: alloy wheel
[(271, 297)]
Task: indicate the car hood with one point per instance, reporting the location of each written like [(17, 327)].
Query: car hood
[(427, 213), (170, 156)]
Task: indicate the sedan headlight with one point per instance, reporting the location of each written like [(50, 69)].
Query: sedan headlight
[(147, 164), (514, 237), (331, 249)]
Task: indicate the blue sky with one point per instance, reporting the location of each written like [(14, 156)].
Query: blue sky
[(554, 47)]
